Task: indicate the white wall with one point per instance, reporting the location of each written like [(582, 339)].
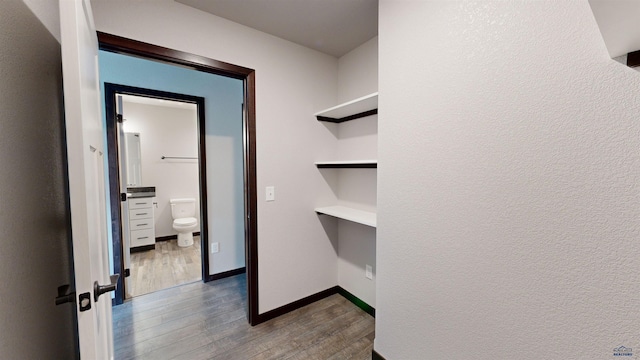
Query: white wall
[(358, 71), (508, 214), (357, 139), (166, 131), (618, 24), (296, 256), (358, 76)]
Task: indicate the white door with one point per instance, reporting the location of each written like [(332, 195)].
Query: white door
[(86, 153)]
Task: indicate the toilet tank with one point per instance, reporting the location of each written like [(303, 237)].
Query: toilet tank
[(183, 208)]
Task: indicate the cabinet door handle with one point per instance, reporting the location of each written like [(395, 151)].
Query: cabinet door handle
[(142, 224), (142, 214), (144, 237)]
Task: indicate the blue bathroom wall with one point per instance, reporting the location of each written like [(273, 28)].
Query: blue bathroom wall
[(223, 127)]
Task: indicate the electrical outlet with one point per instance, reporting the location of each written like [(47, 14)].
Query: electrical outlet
[(368, 272), (215, 247)]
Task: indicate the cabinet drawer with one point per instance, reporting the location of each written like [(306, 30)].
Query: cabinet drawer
[(142, 237), (137, 214), (141, 224), (138, 203)]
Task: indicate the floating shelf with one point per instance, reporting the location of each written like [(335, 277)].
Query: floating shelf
[(354, 109), (347, 213), (352, 164)]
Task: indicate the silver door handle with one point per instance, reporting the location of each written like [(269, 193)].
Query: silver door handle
[(101, 289)]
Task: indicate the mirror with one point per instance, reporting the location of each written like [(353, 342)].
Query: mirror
[(133, 158)]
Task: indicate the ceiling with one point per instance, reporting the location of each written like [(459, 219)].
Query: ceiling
[(618, 22), (333, 27)]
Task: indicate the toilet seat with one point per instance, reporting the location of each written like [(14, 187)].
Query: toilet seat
[(185, 222)]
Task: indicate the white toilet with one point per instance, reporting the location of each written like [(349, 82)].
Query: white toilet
[(183, 212)]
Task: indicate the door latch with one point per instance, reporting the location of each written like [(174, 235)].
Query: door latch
[(64, 295)]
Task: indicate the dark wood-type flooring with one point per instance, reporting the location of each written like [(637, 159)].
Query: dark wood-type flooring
[(208, 321)]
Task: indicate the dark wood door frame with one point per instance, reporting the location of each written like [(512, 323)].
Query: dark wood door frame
[(117, 44), (116, 188)]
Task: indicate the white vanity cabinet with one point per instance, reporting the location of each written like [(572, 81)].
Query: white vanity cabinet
[(141, 226)]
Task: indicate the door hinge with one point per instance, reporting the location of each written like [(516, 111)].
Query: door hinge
[(127, 273)]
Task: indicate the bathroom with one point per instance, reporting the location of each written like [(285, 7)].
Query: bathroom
[(161, 160)]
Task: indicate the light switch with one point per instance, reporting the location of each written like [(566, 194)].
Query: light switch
[(270, 193), (215, 247)]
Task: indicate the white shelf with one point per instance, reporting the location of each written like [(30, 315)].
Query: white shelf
[(354, 164), (360, 107), (347, 213)]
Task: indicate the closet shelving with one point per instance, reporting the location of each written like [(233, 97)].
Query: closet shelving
[(351, 110), (351, 214), (350, 164), (354, 109)]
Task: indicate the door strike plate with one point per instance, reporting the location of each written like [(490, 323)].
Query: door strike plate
[(84, 301)]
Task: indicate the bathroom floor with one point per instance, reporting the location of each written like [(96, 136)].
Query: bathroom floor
[(167, 266)]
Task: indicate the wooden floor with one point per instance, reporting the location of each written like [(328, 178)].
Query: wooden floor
[(167, 266), (208, 321)]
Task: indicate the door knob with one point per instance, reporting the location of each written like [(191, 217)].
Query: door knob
[(101, 289)]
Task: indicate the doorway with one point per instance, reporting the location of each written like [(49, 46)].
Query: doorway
[(247, 145), (160, 180)]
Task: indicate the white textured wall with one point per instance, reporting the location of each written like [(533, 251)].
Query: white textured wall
[(166, 131), (508, 208), (296, 257)]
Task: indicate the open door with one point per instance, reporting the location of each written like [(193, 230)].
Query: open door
[(86, 160)]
